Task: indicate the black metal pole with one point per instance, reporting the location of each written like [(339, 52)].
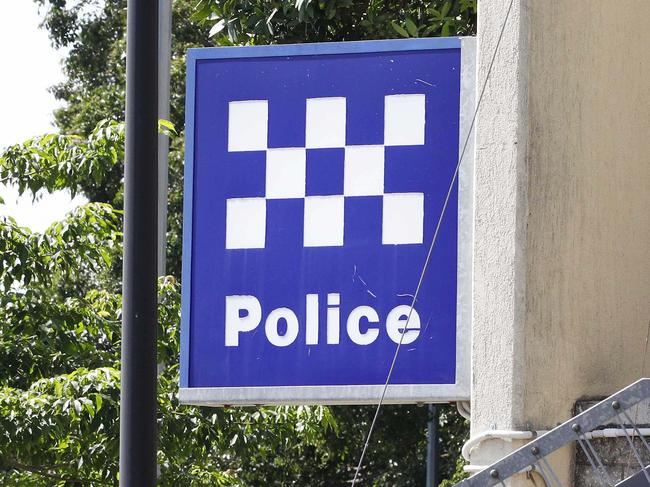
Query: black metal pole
[(432, 447), (138, 431)]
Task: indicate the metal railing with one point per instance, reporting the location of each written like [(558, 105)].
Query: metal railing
[(582, 429)]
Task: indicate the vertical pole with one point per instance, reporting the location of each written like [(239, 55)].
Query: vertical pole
[(432, 449), (164, 68), (138, 396)]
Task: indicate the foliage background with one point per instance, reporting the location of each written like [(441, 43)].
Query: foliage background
[(60, 300)]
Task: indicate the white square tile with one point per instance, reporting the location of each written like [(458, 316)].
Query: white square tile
[(248, 125), (286, 173), (403, 218), (245, 223), (364, 170), (324, 218), (325, 126), (404, 119)]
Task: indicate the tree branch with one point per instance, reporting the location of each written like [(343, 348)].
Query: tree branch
[(16, 465), (9, 179)]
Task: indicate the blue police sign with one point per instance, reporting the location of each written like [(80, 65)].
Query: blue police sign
[(315, 176)]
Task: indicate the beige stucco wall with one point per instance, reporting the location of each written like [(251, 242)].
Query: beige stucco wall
[(562, 230), (588, 238)]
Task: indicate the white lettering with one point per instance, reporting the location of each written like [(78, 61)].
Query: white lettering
[(354, 332), (271, 327), (396, 321), (235, 323), (244, 314), (311, 337), (333, 318)]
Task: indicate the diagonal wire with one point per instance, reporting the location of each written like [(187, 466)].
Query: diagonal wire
[(632, 447), (591, 461), (540, 470), (603, 470), (433, 242), (551, 471), (636, 410), (636, 429)]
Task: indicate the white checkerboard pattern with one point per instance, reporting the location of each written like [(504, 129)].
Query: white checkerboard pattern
[(324, 216)]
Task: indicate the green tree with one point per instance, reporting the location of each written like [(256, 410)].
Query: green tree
[(65, 309), (269, 22), (59, 350)]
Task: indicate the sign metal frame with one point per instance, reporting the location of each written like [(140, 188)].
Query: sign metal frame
[(343, 394)]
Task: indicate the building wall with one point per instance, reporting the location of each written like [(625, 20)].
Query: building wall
[(588, 238), (562, 218), (499, 226)]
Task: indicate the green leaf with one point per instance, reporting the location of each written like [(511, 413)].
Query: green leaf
[(202, 11), (166, 127), (89, 409), (106, 256), (445, 9), (411, 27), (399, 29), (217, 27)]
